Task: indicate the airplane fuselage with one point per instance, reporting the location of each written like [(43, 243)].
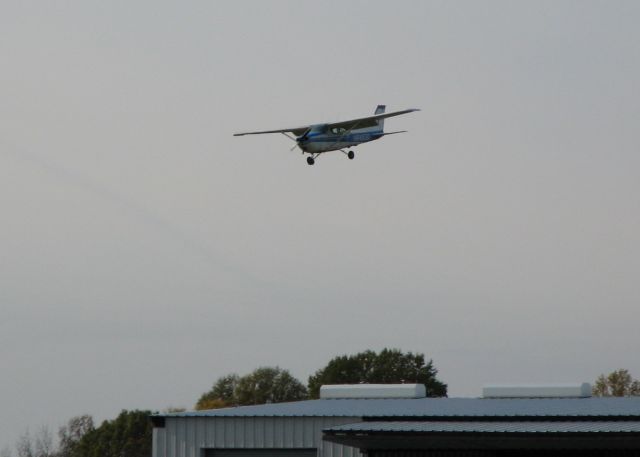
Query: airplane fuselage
[(319, 139)]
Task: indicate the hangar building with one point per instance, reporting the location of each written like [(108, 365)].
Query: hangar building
[(400, 421)]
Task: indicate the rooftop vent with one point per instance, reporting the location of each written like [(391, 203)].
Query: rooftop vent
[(373, 391), (538, 391)]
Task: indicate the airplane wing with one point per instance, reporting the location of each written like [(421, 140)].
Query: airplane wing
[(362, 122), (370, 121), (297, 131)]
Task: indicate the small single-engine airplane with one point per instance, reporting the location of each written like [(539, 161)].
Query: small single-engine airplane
[(338, 136)]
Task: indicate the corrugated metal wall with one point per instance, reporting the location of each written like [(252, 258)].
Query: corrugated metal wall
[(187, 436)]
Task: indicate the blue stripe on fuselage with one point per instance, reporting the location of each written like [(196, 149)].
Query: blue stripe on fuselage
[(350, 138)]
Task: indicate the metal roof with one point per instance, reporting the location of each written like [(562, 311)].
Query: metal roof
[(624, 407), (489, 427)]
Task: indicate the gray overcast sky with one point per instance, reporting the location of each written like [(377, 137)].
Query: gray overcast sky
[(146, 251)]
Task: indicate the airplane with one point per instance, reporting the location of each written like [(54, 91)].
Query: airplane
[(337, 136)]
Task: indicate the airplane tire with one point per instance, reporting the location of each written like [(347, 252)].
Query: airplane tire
[(351, 155), (310, 160)]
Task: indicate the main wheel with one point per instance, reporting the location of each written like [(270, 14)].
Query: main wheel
[(351, 155), (310, 160)]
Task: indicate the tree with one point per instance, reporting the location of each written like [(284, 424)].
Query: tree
[(263, 385), (128, 435), (41, 445), (390, 366), (44, 443), (211, 403), (269, 385), (618, 383), (25, 446), (70, 435), (221, 395)]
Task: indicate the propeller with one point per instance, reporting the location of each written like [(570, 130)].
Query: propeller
[(296, 140)]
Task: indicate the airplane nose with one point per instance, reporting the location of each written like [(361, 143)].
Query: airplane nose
[(301, 141)]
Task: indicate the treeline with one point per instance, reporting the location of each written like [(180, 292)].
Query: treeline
[(276, 385), (128, 435)]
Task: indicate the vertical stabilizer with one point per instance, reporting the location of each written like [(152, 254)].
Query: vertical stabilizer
[(379, 110)]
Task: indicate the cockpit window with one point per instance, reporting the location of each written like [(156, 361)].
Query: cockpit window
[(319, 128), (338, 130)]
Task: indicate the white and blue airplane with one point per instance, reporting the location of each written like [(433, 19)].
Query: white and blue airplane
[(337, 136)]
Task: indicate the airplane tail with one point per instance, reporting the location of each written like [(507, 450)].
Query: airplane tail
[(379, 110)]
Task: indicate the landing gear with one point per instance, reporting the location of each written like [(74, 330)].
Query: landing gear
[(311, 160), (349, 154)]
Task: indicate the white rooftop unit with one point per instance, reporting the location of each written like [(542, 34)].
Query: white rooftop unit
[(578, 390), (337, 391)]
